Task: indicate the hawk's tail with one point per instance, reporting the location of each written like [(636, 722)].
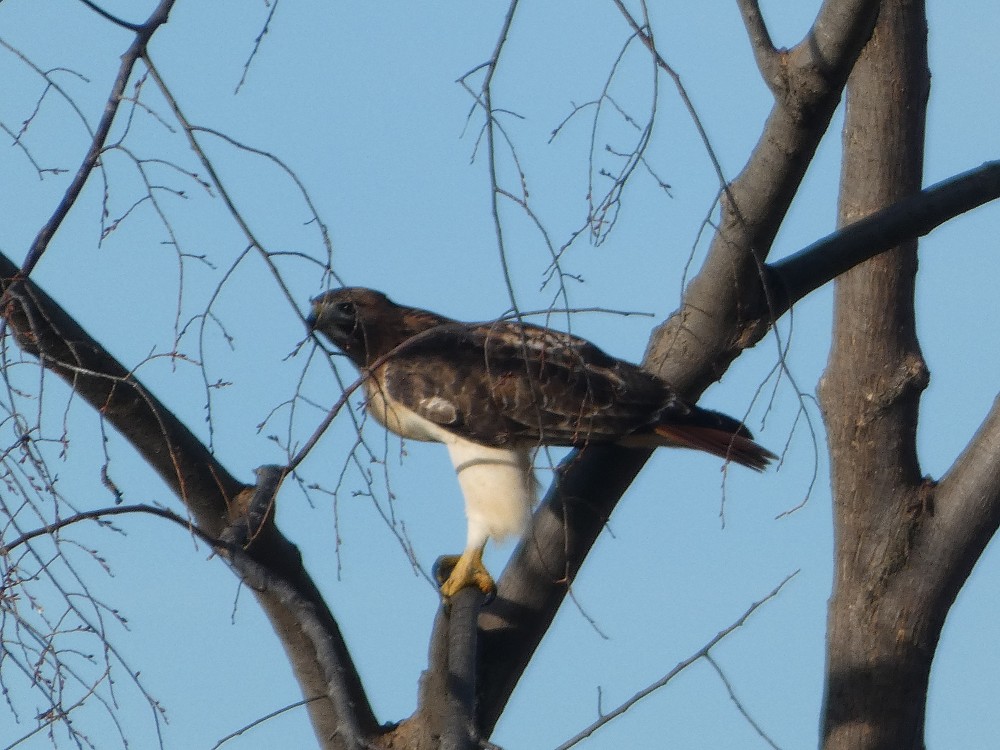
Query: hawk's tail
[(717, 434)]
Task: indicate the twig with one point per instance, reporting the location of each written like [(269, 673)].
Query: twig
[(256, 45), (112, 18), (681, 666), (135, 51), (98, 515), (260, 720), (645, 36), (189, 131), (739, 705)]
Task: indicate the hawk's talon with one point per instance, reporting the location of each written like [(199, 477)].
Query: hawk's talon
[(455, 572)]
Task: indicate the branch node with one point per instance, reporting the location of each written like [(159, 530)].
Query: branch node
[(771, 62), (254, 507)]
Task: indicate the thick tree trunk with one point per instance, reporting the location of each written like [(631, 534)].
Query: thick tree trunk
[(883, 626)]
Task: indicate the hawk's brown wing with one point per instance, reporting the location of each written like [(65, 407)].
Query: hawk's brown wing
[(496, 383)]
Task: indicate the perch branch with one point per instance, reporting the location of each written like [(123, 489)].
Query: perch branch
[(460, 686), (706, 328)]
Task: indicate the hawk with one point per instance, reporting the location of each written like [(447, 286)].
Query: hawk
[(494, 392)]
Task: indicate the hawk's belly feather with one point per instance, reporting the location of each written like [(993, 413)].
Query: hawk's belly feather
[(498, 483)]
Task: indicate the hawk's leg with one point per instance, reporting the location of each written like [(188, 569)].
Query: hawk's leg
[(455, 572)]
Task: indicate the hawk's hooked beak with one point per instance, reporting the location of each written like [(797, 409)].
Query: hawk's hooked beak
[(331, 316), (313, 317)]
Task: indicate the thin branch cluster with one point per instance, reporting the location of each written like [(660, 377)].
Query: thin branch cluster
[(69, 406)]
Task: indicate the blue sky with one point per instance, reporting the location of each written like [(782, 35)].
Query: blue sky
[(361, 101)]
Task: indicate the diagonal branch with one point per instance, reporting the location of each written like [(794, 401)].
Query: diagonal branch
[(794, 277), (143, 33), (701, 653), (42, 328), (720, 307), (565, 526), (212, 495), (296, 600), (967, 507)]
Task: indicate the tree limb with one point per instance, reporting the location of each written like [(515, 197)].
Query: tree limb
[(42, 328), (459, 723), (794, 277), (967, 508), (691, 350), (769, 60), (353, 722), (720, 307), (212, 495)]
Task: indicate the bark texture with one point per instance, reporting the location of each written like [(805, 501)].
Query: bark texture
[(881, 633)]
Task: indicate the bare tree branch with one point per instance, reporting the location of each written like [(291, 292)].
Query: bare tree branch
[(344, 688), (645, 34), (459, 724), (257, 722), (353, 720), (769, 60), (45, 330), (707, 330), (966, 508), (189, 132), (739, 704), (680, 667), (100, 515), (914, 216), (713, 318), (135, 51), (112, 18), (212, 495)]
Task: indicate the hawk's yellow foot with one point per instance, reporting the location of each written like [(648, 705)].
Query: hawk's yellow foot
[(455, 572)]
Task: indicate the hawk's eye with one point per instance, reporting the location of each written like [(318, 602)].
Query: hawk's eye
[(345, 308)]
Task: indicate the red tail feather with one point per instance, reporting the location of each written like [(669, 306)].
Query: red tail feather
[(728, 445)]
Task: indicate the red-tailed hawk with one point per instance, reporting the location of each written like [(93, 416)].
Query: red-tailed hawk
[(494, 392)]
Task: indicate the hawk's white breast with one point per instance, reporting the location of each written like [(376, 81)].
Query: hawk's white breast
[(400, 419), (498, 483)]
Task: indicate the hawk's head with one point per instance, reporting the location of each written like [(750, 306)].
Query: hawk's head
[(360, 322), (352, 318)]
